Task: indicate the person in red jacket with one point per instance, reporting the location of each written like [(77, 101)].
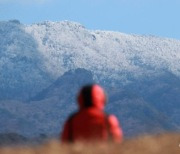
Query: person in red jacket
[(91, 123)]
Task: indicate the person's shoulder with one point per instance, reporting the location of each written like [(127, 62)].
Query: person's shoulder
[(113, 119)]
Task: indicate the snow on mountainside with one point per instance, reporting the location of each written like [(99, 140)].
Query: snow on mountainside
[(33, 56), (68, 45), (20, 63)]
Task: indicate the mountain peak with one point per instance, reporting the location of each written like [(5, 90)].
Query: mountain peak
[(64, 23), (69, 82)]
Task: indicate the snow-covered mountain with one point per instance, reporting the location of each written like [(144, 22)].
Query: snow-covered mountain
[(103, 51), (40, 65), (32, 56)]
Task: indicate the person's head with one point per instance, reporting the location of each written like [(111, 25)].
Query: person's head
[(92, 96)]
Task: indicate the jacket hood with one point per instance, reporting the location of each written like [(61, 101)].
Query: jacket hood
[(92, 96)]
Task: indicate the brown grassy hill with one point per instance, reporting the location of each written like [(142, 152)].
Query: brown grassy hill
[(156, 144)]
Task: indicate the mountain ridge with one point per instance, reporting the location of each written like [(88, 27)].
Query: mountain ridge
[(42, 52)]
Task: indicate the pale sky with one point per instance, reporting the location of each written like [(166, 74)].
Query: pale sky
[(149, 17)]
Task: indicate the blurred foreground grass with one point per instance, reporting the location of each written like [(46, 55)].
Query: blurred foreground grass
[(155, 144)]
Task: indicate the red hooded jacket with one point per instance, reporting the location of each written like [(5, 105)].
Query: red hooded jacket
[(91, 122)]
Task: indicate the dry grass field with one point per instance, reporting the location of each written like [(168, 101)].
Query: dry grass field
[(155, 144)]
